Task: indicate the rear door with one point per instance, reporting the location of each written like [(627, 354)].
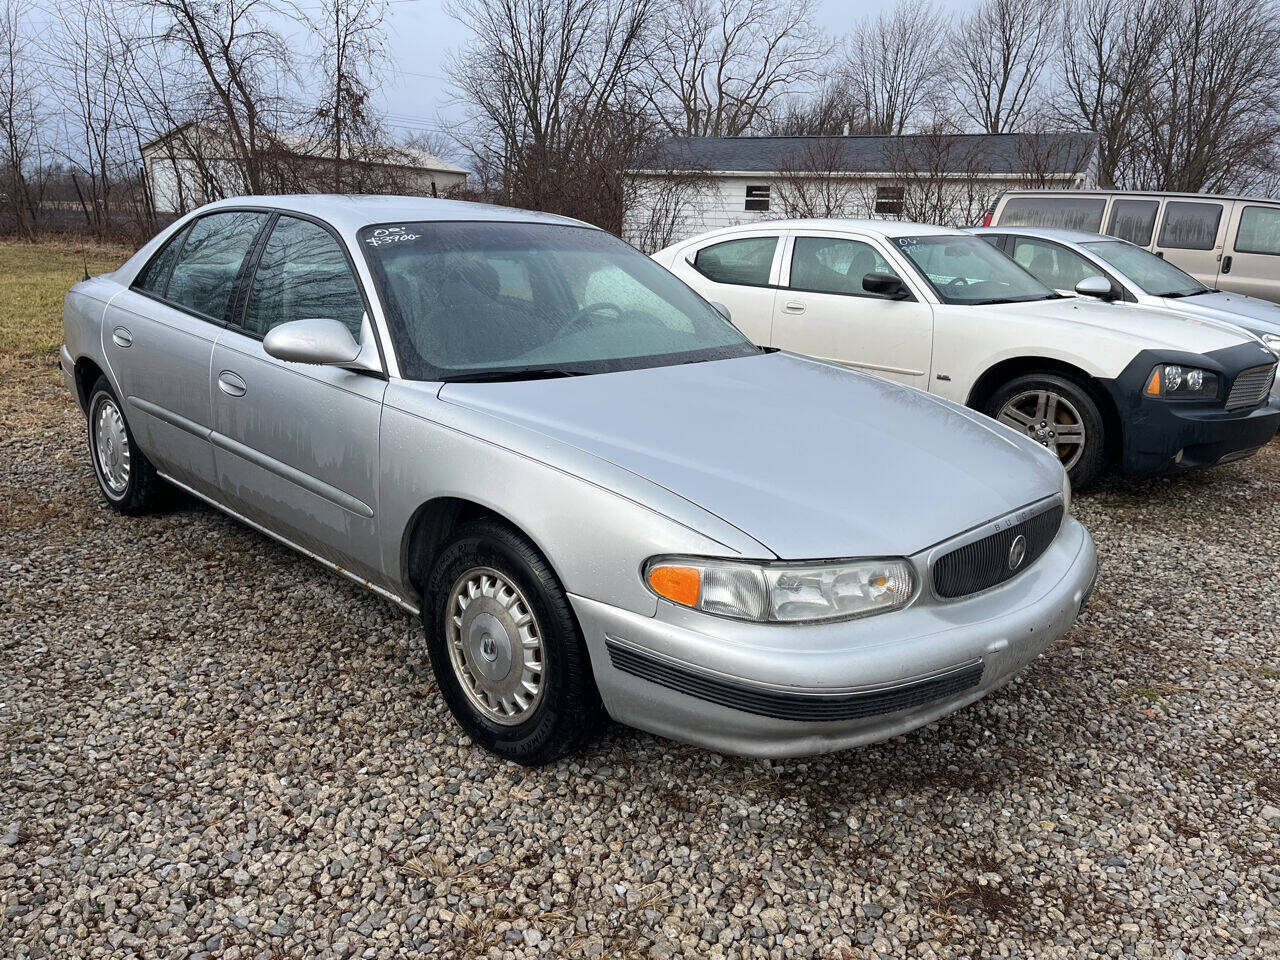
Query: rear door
[(824, 311), (1192, 235), (1251, 264), (296, 445), (741, 274)]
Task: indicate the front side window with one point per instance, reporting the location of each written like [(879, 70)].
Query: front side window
[(1133, 220), (303, 275), (833, 265), (1153, 275), (1069, 213), (1190, 225), (210, 260), (488, 300), (1259, 231), (968, 270), (154, 277), (1052, 264), (746, 261)]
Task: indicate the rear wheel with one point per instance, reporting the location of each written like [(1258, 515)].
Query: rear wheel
[(128, 481), (1059, 414)]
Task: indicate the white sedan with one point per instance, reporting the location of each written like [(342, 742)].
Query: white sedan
[(1095, 382)]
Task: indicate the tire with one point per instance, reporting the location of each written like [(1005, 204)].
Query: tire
[(1067, 405), (126, 478), (485, 581)]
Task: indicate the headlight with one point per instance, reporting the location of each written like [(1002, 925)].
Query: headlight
[(1273, 342), (1176, 382), (782, 592)]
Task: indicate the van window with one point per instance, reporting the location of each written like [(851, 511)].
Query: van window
[(1190, 225), (1069, 213), (1133, 220), (1259, 231), (746, 261)]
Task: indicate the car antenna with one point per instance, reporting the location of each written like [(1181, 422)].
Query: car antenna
[(86, 263)]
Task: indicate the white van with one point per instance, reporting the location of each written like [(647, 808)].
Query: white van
[(1229, 243)]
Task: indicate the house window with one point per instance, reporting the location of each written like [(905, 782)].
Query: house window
[(889, 200), (757, 198)]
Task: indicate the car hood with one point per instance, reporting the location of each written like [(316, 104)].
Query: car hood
[(811, 459), (1256, 316), (1151, 326)]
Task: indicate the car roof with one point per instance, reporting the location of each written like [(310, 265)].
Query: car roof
[(888, 228), (350, 212), (1048, 233), (1137, 195)]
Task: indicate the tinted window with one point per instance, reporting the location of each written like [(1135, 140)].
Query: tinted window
[(505, 300), (154, 277), (1259, 231), (1072, 213), (1133, 220), (1051, 264), (210, 261), (1190, 226), (303, 274), (829, 265), (746, 261), (1152, 274), (968, 270)]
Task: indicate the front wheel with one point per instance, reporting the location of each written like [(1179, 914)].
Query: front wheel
[(506, 649), (1059, 414)]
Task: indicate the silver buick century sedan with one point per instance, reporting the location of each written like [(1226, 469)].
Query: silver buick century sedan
[(601, 498)]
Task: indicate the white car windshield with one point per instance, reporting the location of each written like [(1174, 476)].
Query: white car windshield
[(1154, 275), (968, 270), (492, 301)]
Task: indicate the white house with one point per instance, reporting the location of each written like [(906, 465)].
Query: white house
[(693, 184), (192, 165)]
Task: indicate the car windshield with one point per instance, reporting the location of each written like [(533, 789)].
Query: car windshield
[(1153, 275), (969, 270), (488, 300)]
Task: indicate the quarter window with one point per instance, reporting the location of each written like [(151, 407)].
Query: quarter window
[(757, 198), (1053, 265), (154, 277), (1190, 225), (1133, 220), (1259, 231), (747, 261), (1070, 213), (206, 269), (831, 265), (303, 275)]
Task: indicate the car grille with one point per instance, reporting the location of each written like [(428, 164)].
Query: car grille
[(985, 563), (804, 707), (1251, 387)]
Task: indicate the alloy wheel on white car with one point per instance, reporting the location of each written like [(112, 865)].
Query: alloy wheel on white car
[(1050, 420)]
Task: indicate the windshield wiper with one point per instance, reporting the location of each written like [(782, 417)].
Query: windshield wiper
[(512, 373), (1179, 294), (994, 300)]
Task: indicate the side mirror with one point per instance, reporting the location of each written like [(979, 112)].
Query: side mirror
[(721, 309), (885, 285), (1099, 287), (316, 341)]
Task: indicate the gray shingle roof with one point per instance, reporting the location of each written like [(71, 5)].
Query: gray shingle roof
[(1011, 153)]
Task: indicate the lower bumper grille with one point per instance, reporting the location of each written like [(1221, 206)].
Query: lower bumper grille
[(804, 707), (996, 558), (1251, 387)]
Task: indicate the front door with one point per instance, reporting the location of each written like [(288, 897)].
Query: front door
[(296, 445), (824, 311), (1251, 264)]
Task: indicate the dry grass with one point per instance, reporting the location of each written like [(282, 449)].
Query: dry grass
[(34, 280)]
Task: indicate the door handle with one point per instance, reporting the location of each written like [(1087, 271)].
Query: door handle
[(1226, 264), (231, 384), (121, 337), (793, 306)]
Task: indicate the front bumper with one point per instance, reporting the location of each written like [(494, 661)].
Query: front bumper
[(1164, 436), (775, 690)]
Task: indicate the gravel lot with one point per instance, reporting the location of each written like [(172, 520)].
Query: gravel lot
[(212, 747)]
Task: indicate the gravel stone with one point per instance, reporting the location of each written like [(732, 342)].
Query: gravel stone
[(213, 747)]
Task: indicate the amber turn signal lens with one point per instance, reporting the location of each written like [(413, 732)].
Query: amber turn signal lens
[(678, 584), (1153, 384)]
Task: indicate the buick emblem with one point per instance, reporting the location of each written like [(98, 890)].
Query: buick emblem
[(1017, 552)]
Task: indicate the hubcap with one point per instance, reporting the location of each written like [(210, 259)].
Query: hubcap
[(1049, 419), (111, 447), (495, 647)]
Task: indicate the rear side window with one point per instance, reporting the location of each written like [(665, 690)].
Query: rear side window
[(1259, 231), (1190, 225), (154, 277), (210, 260), (1133, 220), (303, 275), (746, 261), (1069, 213), (831, 265), (1053, 265)]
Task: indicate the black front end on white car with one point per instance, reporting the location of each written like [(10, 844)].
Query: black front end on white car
[(1183, 410)]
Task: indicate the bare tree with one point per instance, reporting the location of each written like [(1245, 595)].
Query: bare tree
[(21, 124), (719, 67), (813, 181), (830, 112), (892, 66), (938, 176), (998, 54)]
